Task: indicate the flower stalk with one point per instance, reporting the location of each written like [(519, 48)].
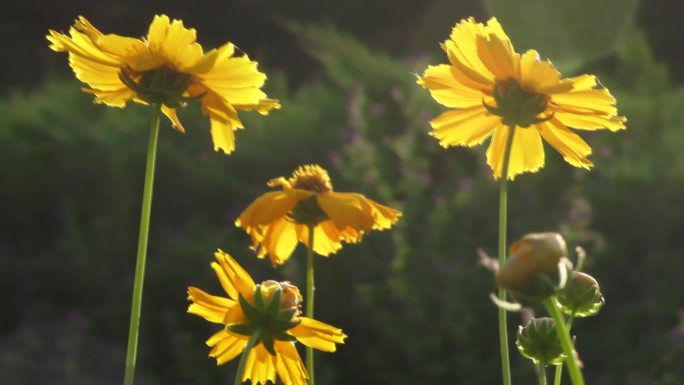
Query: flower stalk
[(310, 299), (503, 217), (564, 336), (541, 369), (240, 373), (134, 325)]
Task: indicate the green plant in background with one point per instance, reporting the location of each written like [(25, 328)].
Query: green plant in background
[(166, 70)]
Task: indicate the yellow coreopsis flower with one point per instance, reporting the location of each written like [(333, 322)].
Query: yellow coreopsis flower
[(167, 67), (277, 220), (492, 89), (270, 309)]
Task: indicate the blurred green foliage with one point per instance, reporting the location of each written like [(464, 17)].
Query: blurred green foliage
[(413, 300)]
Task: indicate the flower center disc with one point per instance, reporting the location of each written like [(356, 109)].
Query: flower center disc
[(517, 106)]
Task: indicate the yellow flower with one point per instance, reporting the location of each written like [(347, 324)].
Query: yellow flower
[(490, 88), (277, 220), (166, 67), (271, 309)]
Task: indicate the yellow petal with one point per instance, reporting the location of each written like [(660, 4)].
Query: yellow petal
[(289, 365), (82, 45), (496, 52), (537, 75), (527, 151), (573, 149), (586, 96), (323, 245), (279, 241), (464, 127), (172, 41), (263, 107), (318, 335), (586, 121), (236, 80), (226, 346), (233, 278), (355, 211), (271, 206), (209, 307), (447, 90), (463, 52), (171, 114), (260, 366)]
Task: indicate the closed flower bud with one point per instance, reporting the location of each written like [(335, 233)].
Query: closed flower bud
[(539, 342), (531, 271), (581, 296)]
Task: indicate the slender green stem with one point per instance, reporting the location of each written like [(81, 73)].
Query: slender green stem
[(564, 336), (310, 300), (541, 371), (558, 375), (134, 325), (503, 216), (240, 373), (559, 367)]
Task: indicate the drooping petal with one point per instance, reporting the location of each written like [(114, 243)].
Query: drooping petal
[(323, 245), (355, 211), (318, 335), (589, 121), (289, 365), (527, 152), (171, 114), (271, 206), (260, 366), (279, 241), (573, 148), (233, 278), (464, 127), (225, 346), (209, 307), (447, 90)]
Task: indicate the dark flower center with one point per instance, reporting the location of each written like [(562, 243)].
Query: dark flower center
[(516, 106)]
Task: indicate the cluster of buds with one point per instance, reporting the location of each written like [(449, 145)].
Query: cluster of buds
[(272, 312)]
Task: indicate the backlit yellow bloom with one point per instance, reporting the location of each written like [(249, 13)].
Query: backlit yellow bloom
[(166, 67), (490, 87), (271, 309), (277, 220)]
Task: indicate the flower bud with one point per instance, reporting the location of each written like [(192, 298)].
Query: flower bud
[(539, 342), (581, 296), (531, 271)]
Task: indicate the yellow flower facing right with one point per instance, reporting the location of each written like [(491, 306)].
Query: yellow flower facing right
[(491, 88)]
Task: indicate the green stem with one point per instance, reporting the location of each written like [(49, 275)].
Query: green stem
[(564, 336), (541, 371), (310, 299), (134, 325), (239, 374), (559, 367), (559, 374), (503, 209)]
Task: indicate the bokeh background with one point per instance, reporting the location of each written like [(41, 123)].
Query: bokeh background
[(414, 300)]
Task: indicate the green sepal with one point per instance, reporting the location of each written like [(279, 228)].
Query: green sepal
[(259, 303), (283, 325), (268, 342), (286, 315), (246, 329), (581, 296), (273, 306), (538, 341), (252, 314), (285, 337)]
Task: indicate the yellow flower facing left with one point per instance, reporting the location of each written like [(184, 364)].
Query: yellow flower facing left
[(270, 309), (166, 67), (493, 91)]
